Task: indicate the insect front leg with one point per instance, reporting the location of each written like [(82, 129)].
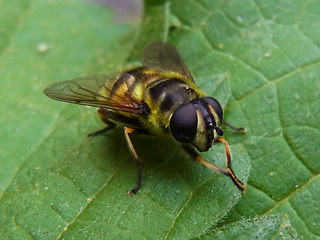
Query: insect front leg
[(105, 119), (233, 177), (229, 172), (243, 130), (128, 131)]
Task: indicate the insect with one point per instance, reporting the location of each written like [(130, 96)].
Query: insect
[(160, 97)]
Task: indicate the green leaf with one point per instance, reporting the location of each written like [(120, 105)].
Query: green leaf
[(259, 59), (267, 227)]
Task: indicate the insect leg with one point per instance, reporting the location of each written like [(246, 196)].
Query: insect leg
[(105, 119), (233, 177), (229, 172), (243, 130), (128, 131)]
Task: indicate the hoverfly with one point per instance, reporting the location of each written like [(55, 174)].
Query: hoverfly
[(160, 97)]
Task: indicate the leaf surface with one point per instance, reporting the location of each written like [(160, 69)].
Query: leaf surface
[(259, 59)]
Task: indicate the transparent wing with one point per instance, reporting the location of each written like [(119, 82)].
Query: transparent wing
[(93, 91), (163, 56)]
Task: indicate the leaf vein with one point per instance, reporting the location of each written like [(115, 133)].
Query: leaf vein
[(306, 226), (286, 137), (276, 80), (89, 201), (36, 148)]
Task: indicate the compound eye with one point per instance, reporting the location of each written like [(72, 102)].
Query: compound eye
[(216, 106), (183, 123)]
